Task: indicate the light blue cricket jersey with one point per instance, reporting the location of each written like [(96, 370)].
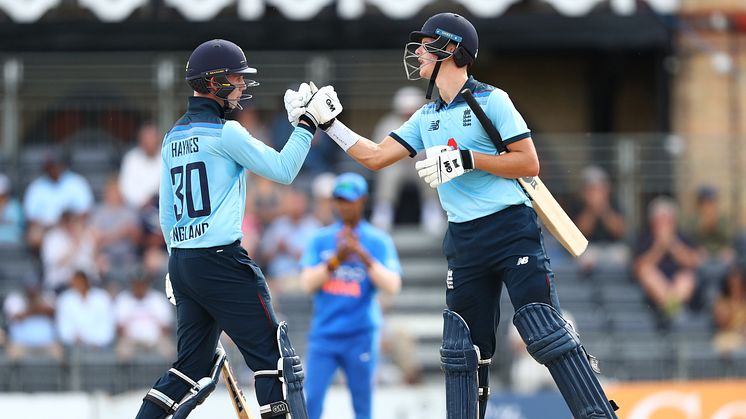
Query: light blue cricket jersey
[(346, 303), (203, 184), (476, 193)]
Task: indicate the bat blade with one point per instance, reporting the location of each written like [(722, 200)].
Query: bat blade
[(234, 390), (553, 217)]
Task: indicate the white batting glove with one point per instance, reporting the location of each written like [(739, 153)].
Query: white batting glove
[(295, 102), (323, 107), (444, 164), (170, 291)]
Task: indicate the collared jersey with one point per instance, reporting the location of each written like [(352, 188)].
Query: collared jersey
[(346, 303), (475, 194), (203, 185)]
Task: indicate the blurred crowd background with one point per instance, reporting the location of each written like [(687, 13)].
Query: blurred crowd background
[(636, 114)]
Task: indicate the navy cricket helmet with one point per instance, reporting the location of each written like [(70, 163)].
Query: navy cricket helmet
[(451, 27), (216, 59)]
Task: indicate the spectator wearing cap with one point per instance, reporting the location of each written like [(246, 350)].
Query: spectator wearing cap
[(602, 223), (390, 182), (144, 321), (54, 192), (85, 315), (710, 230), (30, 317), (140, 172), (344, 266), (11, 216)]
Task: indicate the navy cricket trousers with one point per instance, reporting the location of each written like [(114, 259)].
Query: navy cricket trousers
[(219, 289), (483, 254)]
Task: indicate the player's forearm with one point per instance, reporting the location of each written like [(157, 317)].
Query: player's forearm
[(313, 278), (283, 166), (513, 165), (367, 153), (384, 279)]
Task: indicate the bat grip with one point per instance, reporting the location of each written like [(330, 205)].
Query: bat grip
[(487, 125)]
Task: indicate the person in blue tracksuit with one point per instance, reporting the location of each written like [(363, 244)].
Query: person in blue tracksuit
[(212, 281), (344, 266), (493, 236)]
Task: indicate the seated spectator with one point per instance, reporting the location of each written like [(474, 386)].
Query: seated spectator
[(729, 313), (666, 262), (152, 244), (713, 233), (68, 247), (30, 317), (56, 191), (116, 229), (144, 321), (323, 201), (601, 223), (11, 216), (85, 316), (285, 239), (140, 172), (390, 182), (264, 199)]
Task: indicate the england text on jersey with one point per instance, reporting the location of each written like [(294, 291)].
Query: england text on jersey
[(189, 232)]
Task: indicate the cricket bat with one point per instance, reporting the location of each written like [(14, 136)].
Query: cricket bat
[(236, 394), (551, 214)]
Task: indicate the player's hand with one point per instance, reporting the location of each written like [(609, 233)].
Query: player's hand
[(170, 291), (323, 106), (443, 164), (295, 102)]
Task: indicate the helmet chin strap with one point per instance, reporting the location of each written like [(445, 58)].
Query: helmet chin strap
[(430, 85)]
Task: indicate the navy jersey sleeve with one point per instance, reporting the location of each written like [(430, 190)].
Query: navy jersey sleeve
[(409, 135)]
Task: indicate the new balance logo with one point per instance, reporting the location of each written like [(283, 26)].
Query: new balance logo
[(434, 125), (467, 117), (449, 280), (522, 261)]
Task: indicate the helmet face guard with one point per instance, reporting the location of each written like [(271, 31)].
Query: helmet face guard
[(217, 83), (413, 62)]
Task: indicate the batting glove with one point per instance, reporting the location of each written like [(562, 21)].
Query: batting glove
[(295, 102), (323, 107), (444, 164)]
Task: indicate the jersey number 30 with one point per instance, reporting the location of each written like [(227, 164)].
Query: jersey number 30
[(181, 178)]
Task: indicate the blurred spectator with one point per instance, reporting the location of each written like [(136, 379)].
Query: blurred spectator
[(265, 200), (11, 215), (390, 182), (144, 321), (601, 223), (152, 244), (68, 247), (248, 117), (526, 375), (712, 232), (30, 317), (116, 229), (323, 202), (396, 364), (285, 239), (140, 173), (85, 316), (665, 261), (54, 192), (729, 313)]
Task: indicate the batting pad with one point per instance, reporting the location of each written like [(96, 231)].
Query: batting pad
[(459, 359), (291, 375), (553, 342)]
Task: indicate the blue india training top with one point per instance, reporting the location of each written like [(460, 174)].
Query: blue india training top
[(476, 193), (346, 303), (203, 185)]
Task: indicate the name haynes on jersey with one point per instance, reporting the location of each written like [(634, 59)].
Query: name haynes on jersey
[(184, 147), (179, 234)]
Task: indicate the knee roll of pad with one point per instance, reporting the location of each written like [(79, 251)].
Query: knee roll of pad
[(553, 342)]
